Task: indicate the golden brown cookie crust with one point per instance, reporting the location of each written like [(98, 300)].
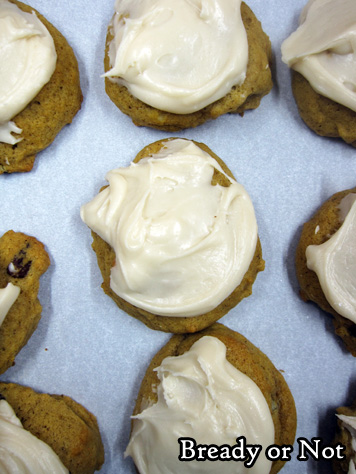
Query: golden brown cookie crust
[(324, 116), (178, 325), (247, 358), (30, 261), (258, 83), (65, 425), (52, 108), (327, 221)]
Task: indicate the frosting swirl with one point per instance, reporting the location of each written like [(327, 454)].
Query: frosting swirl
[(27, 61), (182, 245), (204, 397), (8, 296), (178, 56), (323, 49), (349, 424), (334, 262), (20, 451)]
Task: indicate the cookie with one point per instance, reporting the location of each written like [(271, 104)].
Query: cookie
[(62, 423), (316, 277), (185, 375), (323, 82), (175, 237), (49, 111), (344, 436), (23, 259), (324, 116), (237, 99)]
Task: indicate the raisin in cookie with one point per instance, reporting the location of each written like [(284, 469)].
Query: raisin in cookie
[(23, 259)]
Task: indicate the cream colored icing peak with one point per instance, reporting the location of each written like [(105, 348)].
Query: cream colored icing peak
[(349, 423), (334, 262), (27, 61), (8, 296), (182, 245), (323, 49), (204, 397), (178, 55)]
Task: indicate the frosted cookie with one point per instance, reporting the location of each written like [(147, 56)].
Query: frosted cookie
[(175, 237), (39, 85), (346, 436), (213, 387), (321, 53), (176, 64), (47, 433), (325, 263), (23, 259)]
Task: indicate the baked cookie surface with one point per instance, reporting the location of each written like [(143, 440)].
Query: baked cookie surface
[(23, 259), (323, 81), (316, 231), (247, 96), (324, 116), (52, 108), (65, 425), (177, 324), (245, 357)]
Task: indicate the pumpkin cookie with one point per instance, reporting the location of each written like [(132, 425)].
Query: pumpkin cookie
[(325, 262), (68, 428), (23, 260), (326, 117), (33, 111), (205, 387), (175, 237), (198, 74), (323, 81)]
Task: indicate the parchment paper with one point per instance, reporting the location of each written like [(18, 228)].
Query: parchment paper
[(84, 346)]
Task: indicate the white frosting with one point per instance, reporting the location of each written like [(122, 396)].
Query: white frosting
[(182, 245), (178, 55), (334, 262), (202, 396), (27, 61), (349, 423), (8, 296), (323, 49), (20, 451), (345, 205), (5, 133)]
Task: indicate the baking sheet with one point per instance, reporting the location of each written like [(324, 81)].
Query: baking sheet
[(85, 347)]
